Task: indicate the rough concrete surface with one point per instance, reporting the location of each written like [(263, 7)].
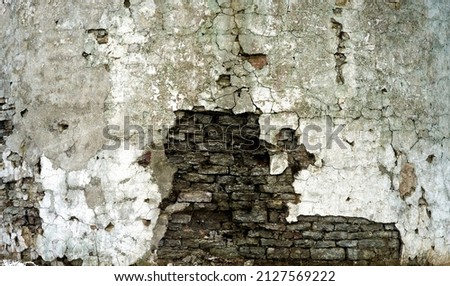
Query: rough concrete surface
[(71, 195)]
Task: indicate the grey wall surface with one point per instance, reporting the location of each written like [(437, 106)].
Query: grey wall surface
[(70, 69)]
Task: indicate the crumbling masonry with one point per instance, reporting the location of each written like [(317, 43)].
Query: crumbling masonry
[(133, 132), (232, 210)]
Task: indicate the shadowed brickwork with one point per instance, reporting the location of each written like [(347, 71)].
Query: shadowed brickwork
[(226, 209)]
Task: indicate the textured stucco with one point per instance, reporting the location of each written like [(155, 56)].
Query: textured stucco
[(380, 68)]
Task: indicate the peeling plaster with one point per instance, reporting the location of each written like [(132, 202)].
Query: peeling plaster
[(159, 58)]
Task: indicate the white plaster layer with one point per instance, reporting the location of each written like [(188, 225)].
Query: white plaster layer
[(114, 227)]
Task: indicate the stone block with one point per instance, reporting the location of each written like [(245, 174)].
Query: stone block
[(336, 235), (211, 243), (248, 225), (174, 226), (371, 243), (180, 218), (205, 206), (239, 170), (372, 227), (226, 180), (211, 146), (259, 171), (334, 219), (276, 189), (198, 178), (360, 235), (328, 253), (360, 254), (195, 158), (291, 235), (225, 252), (275, 242), (299, 253), (347, 227), (244, 196), (210, 216), (384, 234), (254, 252), (278, 253), (304, 243), (325, 244), (195, 197), (248, 241), (315, 235), (213, 170), (261, 233), (221, 159), (255, 215), (299, 226), (274, 226), (321, 226), (287, 197), (240, 188), (184, 167), (347, 243)]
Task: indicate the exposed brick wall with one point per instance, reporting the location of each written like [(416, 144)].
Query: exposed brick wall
[(19, 213), (232, 211)]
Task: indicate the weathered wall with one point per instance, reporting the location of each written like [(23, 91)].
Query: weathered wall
[(70, 69), (230, 196)]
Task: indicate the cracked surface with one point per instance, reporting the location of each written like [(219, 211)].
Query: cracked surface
[(74, 68)]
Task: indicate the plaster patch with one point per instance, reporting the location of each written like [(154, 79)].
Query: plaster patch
[(79, 227), (278, 163)]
